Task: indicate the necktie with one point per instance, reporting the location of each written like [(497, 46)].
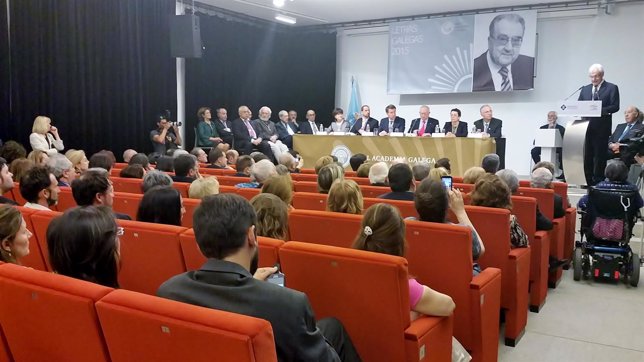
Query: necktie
[(289, 130), (313, 127), (364, 123), (487, 127), (421, 130), (626, 130), (251, 131), (595, 93), (391, 126), (505, 83)]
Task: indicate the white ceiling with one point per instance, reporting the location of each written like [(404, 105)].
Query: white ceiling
[(320, 12)]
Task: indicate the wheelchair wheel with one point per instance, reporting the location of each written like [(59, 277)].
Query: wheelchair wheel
[(576, 263), (634, 278)]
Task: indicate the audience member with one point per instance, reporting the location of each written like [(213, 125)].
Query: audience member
[(444, 163), (132, 171), (473, 174), (327, 175), (616, 175), (94, 188), (420, 171), (165, 164), (127, 155), (363, 170), (203, 187), (225, 231), (217, 159), (345, 196), (12, 150), (356, 160), (282, 170), (280, 186), (186, 169), (14, 235), (546, 164), (154, 157), (155, 178), (62, 169), (378, 174), (83, 244), (101, 160), (177, 152), (45, 137), (258, 156), (6, 182), (200, 154), (510, 178), (38, 157), (78, 160), (490, 191), (272, 216), (541, 178), (437, 173), (231, 156), (161, 205), (140, 159), (243, 166), (259, 173), (19, 168), (40, 188), (288, 161), (321, 162), (490, 163), (401, 182)]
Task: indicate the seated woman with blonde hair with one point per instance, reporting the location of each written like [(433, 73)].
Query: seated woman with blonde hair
[(39, 158), (272, 216), (14, 235), (44, 136), (78, 159), (203, 187), (438, 172), (345, 196), (327, 175), (280, 186), (473, 174)]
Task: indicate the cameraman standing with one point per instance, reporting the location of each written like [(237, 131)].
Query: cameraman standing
[(166, 136)]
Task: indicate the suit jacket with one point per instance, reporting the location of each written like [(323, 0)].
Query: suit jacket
[(637, 127), (242, 136), (461, 129), (371, 122), (430, 126), (282, 133), (228, 286), (522, 74), (397, 195), (608, 93), (399, 123), (305, 127), (186, 179), (265, 130), (226, 135), (495, 127)]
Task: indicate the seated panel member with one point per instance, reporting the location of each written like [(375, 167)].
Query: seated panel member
[(425, 125), (455, 127), (309, 126), (366, 123), (285, 129), (207, 135), (225, 229), (338, 124), (552, 124), (292, 117), (268, 133), (490, 126), (632, 128), (391, 123), (224, 127), (246, 135)]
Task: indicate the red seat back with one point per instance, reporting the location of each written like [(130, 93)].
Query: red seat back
[(35, 257), (127, 203), (304, 177), (545, 199), (65, 199), (190, 205), (324, 227), (373, 191), (232, 180), (306, 186), (310, 201), (182, 187), (131, 185), (247, 193), (40, 221), (406, 208)]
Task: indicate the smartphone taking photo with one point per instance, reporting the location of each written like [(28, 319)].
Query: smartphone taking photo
[(447, 182)]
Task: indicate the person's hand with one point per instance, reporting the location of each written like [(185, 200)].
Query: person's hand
[(382, 133), (614, 147), (257, 141), (485, 135), (53, 130), (450, 134), (264, 273), (273, 138), (167, 126), (639, 159), (456, 201)]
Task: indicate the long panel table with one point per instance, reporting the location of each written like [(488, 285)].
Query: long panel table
[(463, 152)]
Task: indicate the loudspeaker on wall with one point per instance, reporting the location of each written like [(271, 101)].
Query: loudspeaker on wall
[(185, 36)]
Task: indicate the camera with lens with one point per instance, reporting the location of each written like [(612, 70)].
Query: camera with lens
[(167, 115)]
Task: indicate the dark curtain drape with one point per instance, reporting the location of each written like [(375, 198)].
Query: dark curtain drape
[(260, 65), (4, 72), (100, 69)]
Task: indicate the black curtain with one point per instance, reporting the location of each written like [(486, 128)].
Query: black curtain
[(100, 69), (260, 64), (5, 73)]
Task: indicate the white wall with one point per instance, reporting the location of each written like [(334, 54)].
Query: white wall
[(566, 48)]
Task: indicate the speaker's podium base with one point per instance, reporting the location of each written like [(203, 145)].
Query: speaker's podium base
[(573, 152)]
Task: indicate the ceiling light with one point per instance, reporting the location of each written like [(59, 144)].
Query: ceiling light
[(285, 19), (278, 3)]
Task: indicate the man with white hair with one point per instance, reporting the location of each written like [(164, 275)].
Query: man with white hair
[(268, 132), (541, 178), (552, 124), (127, 155), (259, 173), (378, 174), (599, 128), (246, 134), (62, 169), (285, 129)]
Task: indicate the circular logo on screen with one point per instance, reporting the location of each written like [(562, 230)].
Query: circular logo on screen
[(447, 27), (343, 154)]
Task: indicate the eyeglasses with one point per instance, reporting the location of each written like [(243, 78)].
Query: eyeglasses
[(120, 231), (503, 40)]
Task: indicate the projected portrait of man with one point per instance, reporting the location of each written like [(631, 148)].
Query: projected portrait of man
[(502, 67)]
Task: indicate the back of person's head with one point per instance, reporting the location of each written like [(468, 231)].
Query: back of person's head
[(321, 162), (215, 154), (154, 157), (244, 163), (155, 178), (19, 168), (378, 173), (12, 150), (140, 159), (287, 160), (444, 163), (282, 170), (473, 174), (490, 163), (431, 201), (272, 216), (262, 170), (510, 178), (420, 171), (363, 170), (356, 160), (109, 154), (616, 171), (327, 175), (541, 178), (203, 187), (221, 224), (102, 160), (34, 181), (490, 191), (83, 244), (174, 153), (14, 239), (161, 205), (436, 173), (280, 186), (546, 164), (232, 156), (58, 164), (38, 157), (127, 155), (400, 177), (91, 187), (345, 196), (258, 156), (165, 164), (184, 164), (382, 231), (132, 171)]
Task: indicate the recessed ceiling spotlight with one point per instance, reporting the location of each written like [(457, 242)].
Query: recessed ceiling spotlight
[(278, 3), (285, 19)]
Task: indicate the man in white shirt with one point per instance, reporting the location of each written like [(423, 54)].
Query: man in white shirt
[(285, 129), (40, 188)]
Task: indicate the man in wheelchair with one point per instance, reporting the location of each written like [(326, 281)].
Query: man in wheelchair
[(609, 211)]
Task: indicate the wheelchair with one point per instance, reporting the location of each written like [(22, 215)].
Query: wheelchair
[(606, 226)]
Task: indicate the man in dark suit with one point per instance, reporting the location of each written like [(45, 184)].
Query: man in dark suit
[(246, 135), (425, 124), (401, 182), (224, 227), (285, 129), (552, 124), (501, 67), (309, 126), (632, 128), (366, 123), (489, 125), (292, 117), (223, 126), (598, 130), (391, 123)]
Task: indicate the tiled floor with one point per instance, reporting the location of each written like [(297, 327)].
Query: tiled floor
[(584, 321)]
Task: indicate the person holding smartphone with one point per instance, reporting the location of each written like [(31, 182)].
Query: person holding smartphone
[(45, 137)]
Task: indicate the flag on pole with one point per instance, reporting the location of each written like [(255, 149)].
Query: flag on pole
[(354, 103)]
